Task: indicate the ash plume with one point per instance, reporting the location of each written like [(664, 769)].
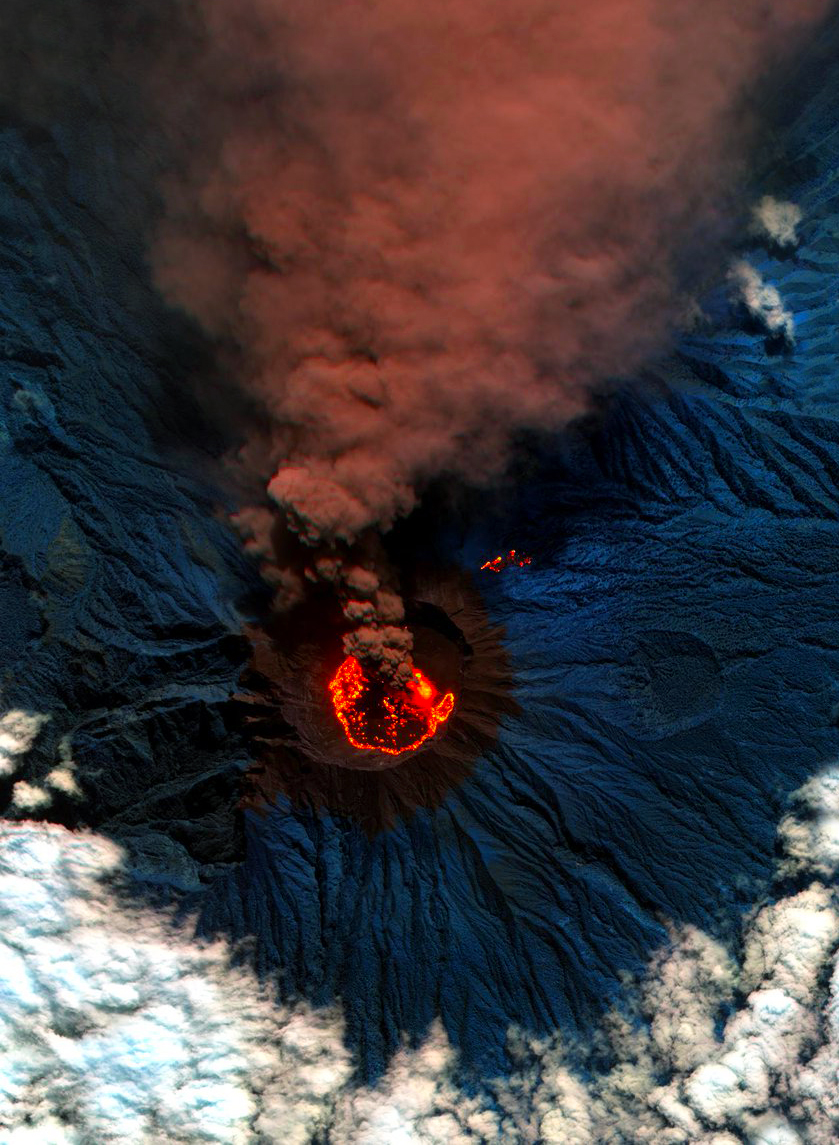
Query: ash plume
[(420, 227), (426, 225)]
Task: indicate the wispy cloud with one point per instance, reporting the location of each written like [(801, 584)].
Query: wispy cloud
[(777, 221), (762, 301)]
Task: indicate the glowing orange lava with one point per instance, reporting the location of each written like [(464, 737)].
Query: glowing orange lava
[(505, 560), (376, 717)]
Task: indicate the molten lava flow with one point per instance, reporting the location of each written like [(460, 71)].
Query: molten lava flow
[(505, 560), (378, 717)]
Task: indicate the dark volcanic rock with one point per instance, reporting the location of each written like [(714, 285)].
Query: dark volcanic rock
[(675, 650), (674, 645), (117, 580)]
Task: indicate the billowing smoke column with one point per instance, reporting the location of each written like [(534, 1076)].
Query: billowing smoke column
[(429, 223)]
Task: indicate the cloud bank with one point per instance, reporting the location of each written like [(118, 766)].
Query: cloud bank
[(115, 1025), (713, 1049)]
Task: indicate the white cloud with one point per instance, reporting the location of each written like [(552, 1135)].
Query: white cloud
[(810, 833), (762, 301), (63, 779), (683, 995), (678, 1076), (18, 732), (416, 1101), (788, 943), (777, 220), (767, 1075), (28, 797), (115, 1026)]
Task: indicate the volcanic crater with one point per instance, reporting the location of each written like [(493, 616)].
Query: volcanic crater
[(299, 745)]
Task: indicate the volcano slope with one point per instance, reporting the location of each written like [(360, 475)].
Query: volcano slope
[(673, 647)]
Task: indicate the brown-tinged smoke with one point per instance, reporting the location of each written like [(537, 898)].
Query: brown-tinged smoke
[(428, 223), (419, 225)]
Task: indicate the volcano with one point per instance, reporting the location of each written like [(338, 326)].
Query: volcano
[(628, 714)]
